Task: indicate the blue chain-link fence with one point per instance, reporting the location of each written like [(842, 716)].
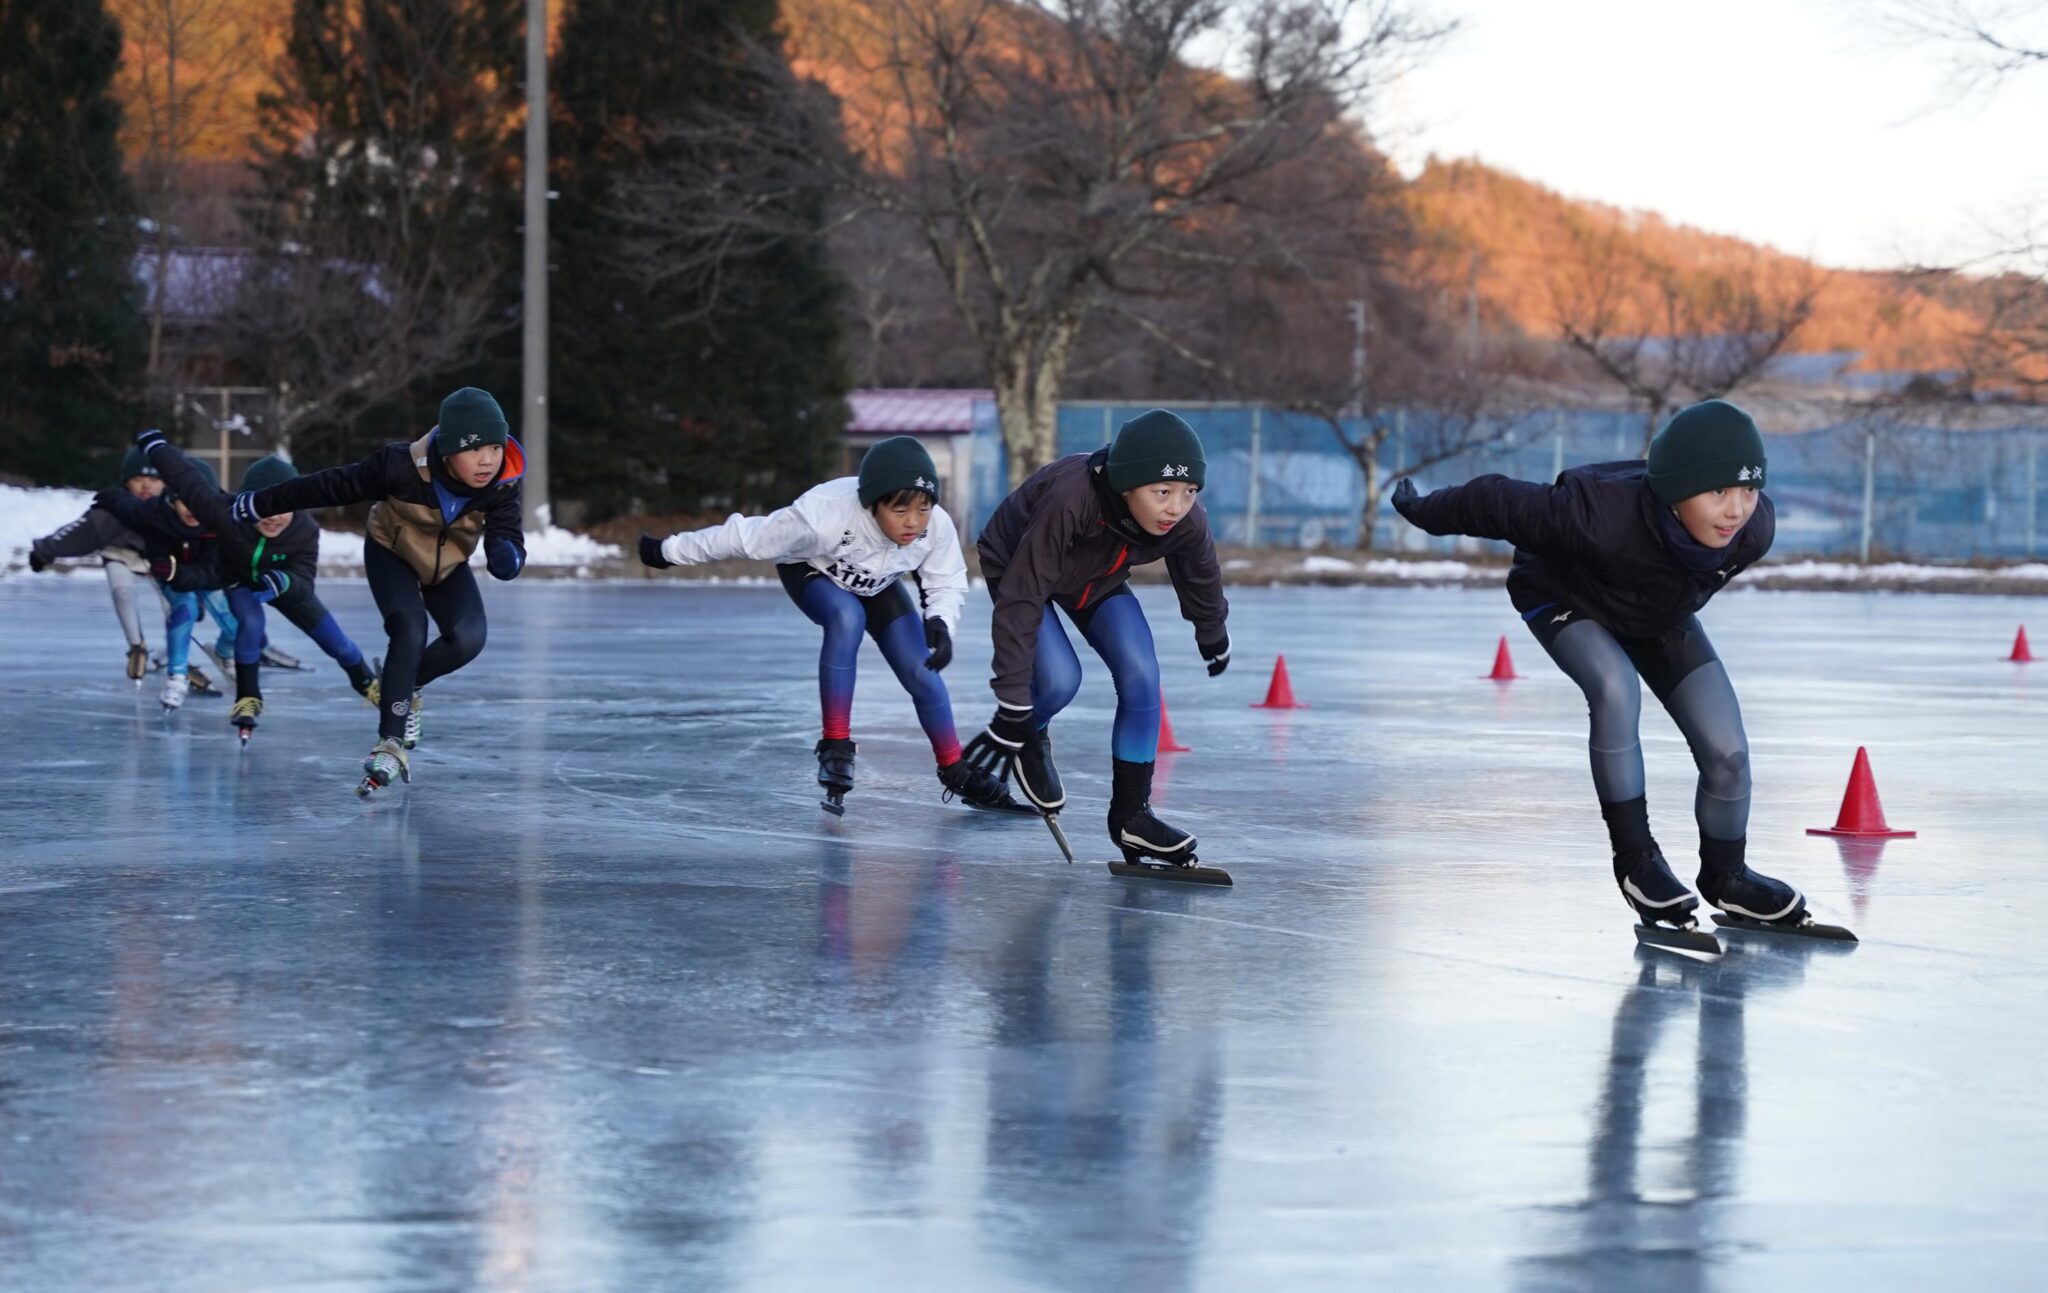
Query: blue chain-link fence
[(1865, 487)]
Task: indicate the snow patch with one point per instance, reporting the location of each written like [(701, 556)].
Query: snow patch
[(28, 514)]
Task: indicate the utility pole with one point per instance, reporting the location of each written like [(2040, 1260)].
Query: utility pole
[(1356, 309), (533, 368)]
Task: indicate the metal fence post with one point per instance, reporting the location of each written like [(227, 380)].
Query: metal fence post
[(2033, 489), (1251, 492), (1869, 489)]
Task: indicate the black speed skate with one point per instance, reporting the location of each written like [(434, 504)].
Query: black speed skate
[(1751, 900), (1152, 849), (244, 715), (835, 772), (977, 789), (1664, 906)]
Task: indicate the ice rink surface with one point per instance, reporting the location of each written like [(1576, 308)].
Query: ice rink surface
[(604, 1002)]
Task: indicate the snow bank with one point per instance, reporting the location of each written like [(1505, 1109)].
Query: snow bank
[(1897, 572), (28, 514), (1434, 572)]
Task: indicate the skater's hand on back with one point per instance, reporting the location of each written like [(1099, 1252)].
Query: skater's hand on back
[(1405, 495), (147, 441), (650, 553), (272, 585), (1215, 654), (941, 643)]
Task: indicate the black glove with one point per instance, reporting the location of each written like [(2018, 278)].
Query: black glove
[(271, 585), (147, 441), (941, 643), (164, 569), (504, 558), (996, 748), (243, 509), (38, 560), (650, 553), (1405, 495), (1215, 654)]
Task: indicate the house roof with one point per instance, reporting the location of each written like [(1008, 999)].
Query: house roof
[(914, 412)]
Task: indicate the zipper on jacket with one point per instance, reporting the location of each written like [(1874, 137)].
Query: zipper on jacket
[(1114, 566), (440, 541), (256, 562)]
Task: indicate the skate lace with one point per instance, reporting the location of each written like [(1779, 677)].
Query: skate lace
[(247, 707)]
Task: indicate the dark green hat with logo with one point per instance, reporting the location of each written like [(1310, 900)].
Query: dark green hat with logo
[(1156, 446), (1712, 445), (134, 464), (900, 462), (268, 471), (470, 418)]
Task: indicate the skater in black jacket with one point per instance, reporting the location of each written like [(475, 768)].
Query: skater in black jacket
[(437, 499), (1069, 537), (269, 563), (1611, 563)]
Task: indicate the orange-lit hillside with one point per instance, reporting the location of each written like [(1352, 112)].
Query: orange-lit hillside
[(1510, 235)]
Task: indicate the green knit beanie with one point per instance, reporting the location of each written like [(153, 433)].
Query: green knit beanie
[(1156, 445), (470, 418), (268, 471), (1712, 445), (900, 462), (133, 464)]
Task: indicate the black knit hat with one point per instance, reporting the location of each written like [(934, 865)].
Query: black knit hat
[(470, 418), (134, 464), (1712, 445), (268, 471), (900, 462), (1156, 445)]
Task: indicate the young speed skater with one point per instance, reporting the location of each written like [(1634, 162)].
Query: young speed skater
[(1611, 564), (272, 562), (182, 552), (1068, 537), (842, 550), (436, 499), (98, 533)]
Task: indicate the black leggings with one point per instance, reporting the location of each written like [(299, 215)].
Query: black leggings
[(457, 609), (1687, 676)]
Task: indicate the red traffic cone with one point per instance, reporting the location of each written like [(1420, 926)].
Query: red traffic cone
[(1503, 663), (1862, 815), (2021, 652), (1280, 692), (1167, 745)]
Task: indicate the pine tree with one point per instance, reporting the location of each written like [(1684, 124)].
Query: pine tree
[(71, 331), (386, 214), (659, 400)]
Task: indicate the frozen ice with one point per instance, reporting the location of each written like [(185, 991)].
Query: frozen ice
[(604, 1001)]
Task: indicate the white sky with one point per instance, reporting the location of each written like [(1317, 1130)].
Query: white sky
[(1786, 123)]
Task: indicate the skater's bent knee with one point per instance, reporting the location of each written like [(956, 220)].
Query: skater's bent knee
[(1725, 773), (406, 626), (467, 636)]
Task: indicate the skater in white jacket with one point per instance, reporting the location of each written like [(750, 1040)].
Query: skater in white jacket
[(842, 550)]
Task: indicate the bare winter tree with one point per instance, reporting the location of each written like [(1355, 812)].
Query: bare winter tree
[(1667, 336), (1059, 160), (184, 62), (1983, 43)]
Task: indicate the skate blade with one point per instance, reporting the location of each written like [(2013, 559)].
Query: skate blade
[(836, 807), (1810, 929), (1168, 871), (1678, 940), (1059, 837), (1011, 809)]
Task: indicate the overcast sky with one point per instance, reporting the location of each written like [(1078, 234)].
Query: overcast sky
[(1788, 123)]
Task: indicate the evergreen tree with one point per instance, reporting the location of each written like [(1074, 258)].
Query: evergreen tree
[(71, 330), (661, 398), (386, 212)]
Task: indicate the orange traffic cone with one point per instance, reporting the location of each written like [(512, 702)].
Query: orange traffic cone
[(1503, 663), (2021, 652), (1167, 745), (1280, 692), (1862, 816)]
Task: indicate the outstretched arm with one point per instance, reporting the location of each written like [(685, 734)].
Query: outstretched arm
[(355, 482), (1535, 517), (208, 502)]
